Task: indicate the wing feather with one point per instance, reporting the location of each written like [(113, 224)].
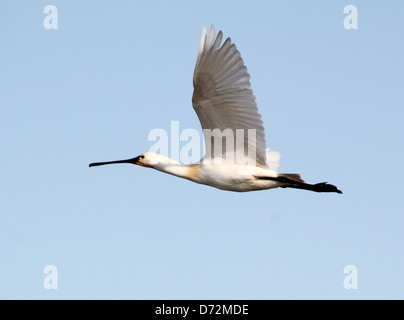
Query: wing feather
[(222, 95)]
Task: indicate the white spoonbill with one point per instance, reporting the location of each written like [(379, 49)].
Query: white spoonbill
[(224, 102)]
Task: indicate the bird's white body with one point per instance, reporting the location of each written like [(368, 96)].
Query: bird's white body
[(224, 103), (240, 178)]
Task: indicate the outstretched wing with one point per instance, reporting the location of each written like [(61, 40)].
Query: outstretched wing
[(223, 98)]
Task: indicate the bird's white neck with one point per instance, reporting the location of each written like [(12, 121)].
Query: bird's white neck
[(179, 170)]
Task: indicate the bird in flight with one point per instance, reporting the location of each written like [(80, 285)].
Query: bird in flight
[(226, 108)]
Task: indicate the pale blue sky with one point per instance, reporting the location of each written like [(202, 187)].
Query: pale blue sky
[(332, 103)]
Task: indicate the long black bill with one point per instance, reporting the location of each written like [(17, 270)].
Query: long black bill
[(131, 161)]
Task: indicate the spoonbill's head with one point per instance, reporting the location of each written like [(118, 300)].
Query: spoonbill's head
[(143, 160)]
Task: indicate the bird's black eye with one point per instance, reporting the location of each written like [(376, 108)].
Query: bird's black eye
[(141, 157)]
